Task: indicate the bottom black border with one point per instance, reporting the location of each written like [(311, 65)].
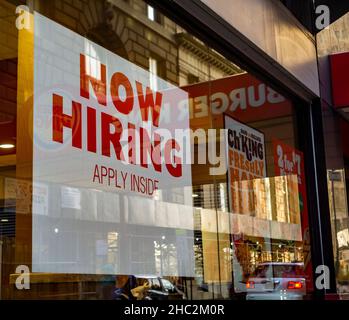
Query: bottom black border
[(120, 309)]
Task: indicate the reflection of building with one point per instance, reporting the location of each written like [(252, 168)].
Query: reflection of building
[(333, 63), (340, 220)]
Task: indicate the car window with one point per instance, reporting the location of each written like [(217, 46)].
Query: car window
[(278, 271), (288, 271), (168, 286), (141, 282), (155, 284), (263, 271)]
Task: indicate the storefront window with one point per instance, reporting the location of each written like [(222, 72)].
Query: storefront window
[(134, 156), (336, 129)]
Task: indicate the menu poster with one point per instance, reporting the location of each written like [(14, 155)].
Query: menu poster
[(246, 162)]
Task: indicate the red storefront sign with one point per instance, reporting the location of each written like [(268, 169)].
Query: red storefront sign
[(340, 79), (241, 96)]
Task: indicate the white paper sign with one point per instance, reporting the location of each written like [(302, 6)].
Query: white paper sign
[(246, 162), (102, 132)]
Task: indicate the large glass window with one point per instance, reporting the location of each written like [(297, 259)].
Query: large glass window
[(95, 194), (336, 129)]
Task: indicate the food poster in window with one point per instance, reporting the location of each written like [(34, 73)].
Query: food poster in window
[(289, 161)]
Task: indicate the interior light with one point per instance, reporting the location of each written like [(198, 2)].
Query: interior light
[(4, 220), (7, 146), (195, 195)]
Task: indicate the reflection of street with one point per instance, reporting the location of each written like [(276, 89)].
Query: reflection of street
[(165, 254), (277, 281), (145, 287), (340, 226), (250, 252)]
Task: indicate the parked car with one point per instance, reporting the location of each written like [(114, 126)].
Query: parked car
[(159, 288), (277, 281)]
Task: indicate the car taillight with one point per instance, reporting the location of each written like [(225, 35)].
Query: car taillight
[(249, 285), (295, 285)]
